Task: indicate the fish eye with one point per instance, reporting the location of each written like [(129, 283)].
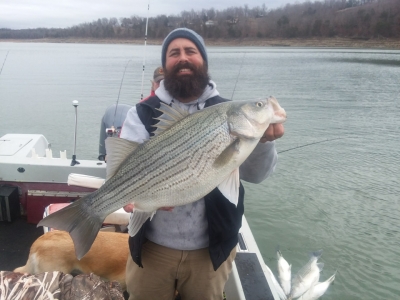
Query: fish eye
[(259, 104)]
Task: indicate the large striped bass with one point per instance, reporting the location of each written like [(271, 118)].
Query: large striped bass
[(188, 157)]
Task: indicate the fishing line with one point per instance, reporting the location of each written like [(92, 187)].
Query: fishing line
[(4, 62), (237, 79), (119, 92), (318, 142), (144, 49)]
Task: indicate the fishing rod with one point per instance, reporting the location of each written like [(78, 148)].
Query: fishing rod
[(144, 49), (237, 78), (119, 92), (313, 143), (4, 62), (111, 131)]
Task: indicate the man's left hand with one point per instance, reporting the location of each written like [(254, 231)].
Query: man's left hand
[(273, 132)]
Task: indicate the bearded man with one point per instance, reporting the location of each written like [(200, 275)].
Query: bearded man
[(189, 248)]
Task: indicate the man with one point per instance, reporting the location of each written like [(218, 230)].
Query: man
[(189, 248), (111, 124), (155, 83)]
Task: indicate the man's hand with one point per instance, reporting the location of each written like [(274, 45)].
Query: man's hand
[(273, 132), (129, 207), (167, 208)]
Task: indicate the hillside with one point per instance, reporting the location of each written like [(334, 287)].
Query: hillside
[(332, 23)]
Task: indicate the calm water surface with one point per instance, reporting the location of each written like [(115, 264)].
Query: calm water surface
[(336, 186)]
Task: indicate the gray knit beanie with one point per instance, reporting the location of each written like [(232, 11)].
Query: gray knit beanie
[(186, 34)]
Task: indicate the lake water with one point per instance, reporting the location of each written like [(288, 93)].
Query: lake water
[(336, 186)]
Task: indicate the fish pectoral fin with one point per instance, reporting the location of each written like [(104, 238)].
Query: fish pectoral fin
[(227, 155), (230, 187), (332, 278), (117, 150), (320, 266), (138, 218)]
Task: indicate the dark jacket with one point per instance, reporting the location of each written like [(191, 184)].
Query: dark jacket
[(224, 218)]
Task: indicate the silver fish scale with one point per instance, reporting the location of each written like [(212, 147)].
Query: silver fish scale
[(183, 171)]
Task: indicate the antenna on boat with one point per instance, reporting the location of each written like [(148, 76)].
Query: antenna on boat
[(74, 161), (144, 51)]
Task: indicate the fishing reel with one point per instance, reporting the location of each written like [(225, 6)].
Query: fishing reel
[(112, 131)]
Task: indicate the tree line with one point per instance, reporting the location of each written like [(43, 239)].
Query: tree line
[(360, 19)]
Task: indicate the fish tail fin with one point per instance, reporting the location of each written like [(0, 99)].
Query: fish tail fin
[(316, 254), (79, 221), (138, 218), (278, 254)]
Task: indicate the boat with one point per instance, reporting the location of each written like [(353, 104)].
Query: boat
[(32, 178)]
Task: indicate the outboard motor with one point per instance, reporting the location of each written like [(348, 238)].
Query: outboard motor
[(111, 125)]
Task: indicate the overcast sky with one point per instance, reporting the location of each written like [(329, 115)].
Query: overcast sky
[(20, 14)]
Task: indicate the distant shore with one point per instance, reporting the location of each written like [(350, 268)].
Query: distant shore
[(378, 43)]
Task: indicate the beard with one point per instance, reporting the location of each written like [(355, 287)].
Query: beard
[(186, 86)]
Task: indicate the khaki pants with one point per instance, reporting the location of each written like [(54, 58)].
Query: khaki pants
[(165, 270)]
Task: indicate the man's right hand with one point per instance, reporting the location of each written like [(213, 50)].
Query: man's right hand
[(129, 207)]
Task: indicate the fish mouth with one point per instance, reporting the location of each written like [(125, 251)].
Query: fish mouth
[(279, 114)]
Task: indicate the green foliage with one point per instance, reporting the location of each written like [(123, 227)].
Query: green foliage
[(383, 28), (310, 11), (234, 32), (284, 20), (316, 30), (292, 32)]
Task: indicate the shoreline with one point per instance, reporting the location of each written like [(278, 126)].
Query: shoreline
[(378, 43)]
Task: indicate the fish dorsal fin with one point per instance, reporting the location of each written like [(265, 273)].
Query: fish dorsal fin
[(171, 115), (117, 150), (230, 187)]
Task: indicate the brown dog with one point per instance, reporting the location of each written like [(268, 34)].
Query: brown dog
[(54, 251)]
